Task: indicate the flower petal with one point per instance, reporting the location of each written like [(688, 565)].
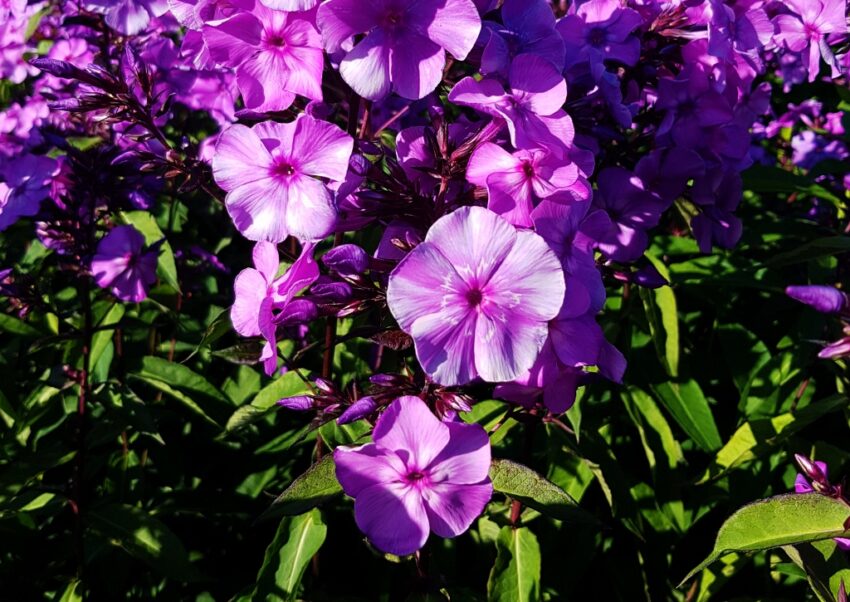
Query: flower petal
[(240, 158), (266, 259), (250, 287), (416, 66), (310, 213), (321, 148), (408, 428), (360, 467), (393, 517), (451, 508), (367, 67), (466, 458)]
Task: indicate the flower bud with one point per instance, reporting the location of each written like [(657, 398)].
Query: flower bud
[(825, 299), (347, 260), (299, 403), (357, 410)]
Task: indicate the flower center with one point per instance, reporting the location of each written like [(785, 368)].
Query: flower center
[(393, 20), (528, 169), (415, 476), (474, 296), (597, 36), (275, 40), (283, 168)]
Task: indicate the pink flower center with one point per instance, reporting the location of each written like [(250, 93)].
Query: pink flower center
[(283, 168), (274, 40), (528, 169), (415, 476)]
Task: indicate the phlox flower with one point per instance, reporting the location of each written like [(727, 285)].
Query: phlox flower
[(405, 43), (27, 181), (129, 17), (276, 55), (419, 475), (803, 485), (271, 174), (469, 299), (123, 265), (808, 33), (261, 297)]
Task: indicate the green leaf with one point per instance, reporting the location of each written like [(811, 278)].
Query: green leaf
[(14, 325), (532, 489), (72, 593), (145, 223), (143, 537), (290, 384), (179, 396), (779, 521), (825, 565), (219, 326), (315, 486), (821, 247), (689, 408), (662, 312), (180, 376), (766, 178), (102, 338), (296, 541), (655, 432), (757, 437), (515, 577)]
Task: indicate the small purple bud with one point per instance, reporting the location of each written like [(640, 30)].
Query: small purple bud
[(298, 311), (325, 386), (649, 277), (347, 260), (839, 348), (57, 68), (842, 593), (825, 299), (328, 291), (814, 471), (357, 410), (299, 403), (385, 380)]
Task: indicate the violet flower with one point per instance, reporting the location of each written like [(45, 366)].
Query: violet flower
[(276, 55), (271, 172), (817, 479), (808, 33), (129, 17), (261, 298), (527, 27), (122, 264), (405, 43), (27, 183), (419, 475), (825, 299), (517, 182), (469, 301), (532, 109)]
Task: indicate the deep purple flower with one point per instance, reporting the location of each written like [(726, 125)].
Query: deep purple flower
[(600, 30), (516, 182), (27, 183), (532, 109), (123, 265), (276, 55), (692, 104), (347, 260), (825, 299), (632, 210), (129, 17), (261, 298), (291, 5), (271, 172), (817, 20), (419, 475), (469, 301), (405, 42), (528, 26)]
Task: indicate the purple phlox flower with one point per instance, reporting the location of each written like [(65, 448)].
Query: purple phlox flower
[(276, 55), (290, 5), (405, 43), (807, 31), (419, 475), (532, 109), (840, 348), (600, 30), (13, 45), (816, 479), (632, 210), (402, 232), (129, 17), (573, 231), (825, 299), (666, 173), (516, 182), (718, 194), (733, 25), (271, 174), (122, 264), (27, 182), (261, 298), (810, 148), (528, 26), (691, 104), (468, 299)]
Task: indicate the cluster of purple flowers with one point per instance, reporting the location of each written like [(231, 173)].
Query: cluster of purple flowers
[(509, 156)]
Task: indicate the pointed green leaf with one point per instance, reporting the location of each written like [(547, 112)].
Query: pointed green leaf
[(825, 565), (515, 577), (296, 541), (290, 384), (779, 521), (689, 408), (103, 336), (315, 486), (532, 489)]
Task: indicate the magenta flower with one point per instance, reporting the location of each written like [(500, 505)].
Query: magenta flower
[(517, 182), (532, 109), (291, 5), (469, 300), (129, 16), (808, 33), (123, 265), (260, 297), (276, 55), (405, 40), (419, 475), (600, 30), (271, 174)]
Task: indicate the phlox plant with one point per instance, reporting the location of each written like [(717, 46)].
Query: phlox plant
[(507, 300)]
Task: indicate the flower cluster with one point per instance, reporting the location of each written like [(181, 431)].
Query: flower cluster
[(460, 177)]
